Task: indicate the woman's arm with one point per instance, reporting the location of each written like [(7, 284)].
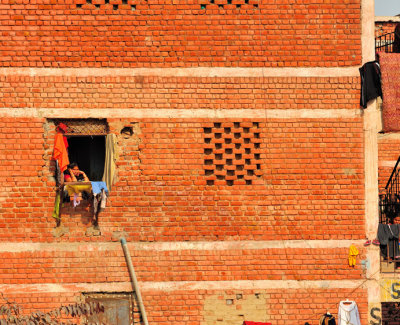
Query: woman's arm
[(71, 177), (86, 179)]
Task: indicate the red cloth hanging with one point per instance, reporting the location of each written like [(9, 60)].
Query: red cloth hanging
[(60, 152)]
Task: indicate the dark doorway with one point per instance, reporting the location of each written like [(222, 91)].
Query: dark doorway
[(89, 153), (390, 313)]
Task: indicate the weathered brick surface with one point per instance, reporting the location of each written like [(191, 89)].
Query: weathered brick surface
[(384, 27), (47, 34), (183, 265), (311, 185), (281, 179), (279, 306), (179, 92), (33, 301)]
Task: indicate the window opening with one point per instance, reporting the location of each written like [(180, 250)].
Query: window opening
[(390, 313), (86, 139), (89, 153)]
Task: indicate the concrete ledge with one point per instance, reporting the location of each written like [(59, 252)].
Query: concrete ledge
[(180, 113), (185, 72), (182, 286), (387, 19), (176, 246)]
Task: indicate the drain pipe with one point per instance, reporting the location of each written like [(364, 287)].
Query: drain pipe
[(134, 280)]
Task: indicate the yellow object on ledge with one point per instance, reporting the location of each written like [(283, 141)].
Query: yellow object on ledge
[(78, 188)]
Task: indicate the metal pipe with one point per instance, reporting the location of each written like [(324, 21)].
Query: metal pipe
[(134, 280)]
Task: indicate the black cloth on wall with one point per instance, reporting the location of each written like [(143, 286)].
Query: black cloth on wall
[(389, 235), (371, 87)]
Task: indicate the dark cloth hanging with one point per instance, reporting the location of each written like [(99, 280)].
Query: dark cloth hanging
[(371, 87), (327, 319), (389, 235)]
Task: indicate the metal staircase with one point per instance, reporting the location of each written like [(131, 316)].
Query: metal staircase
[(389, 200)]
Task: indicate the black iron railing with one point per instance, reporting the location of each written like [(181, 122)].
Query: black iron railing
[(384, 43), (389, 202)]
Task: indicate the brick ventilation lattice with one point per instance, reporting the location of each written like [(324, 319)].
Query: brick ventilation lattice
[(228, 4), (107, 4), (131, 4), (85, 126), (232, 153)]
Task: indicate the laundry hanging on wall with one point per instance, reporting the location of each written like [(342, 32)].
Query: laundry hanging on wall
[(111, 158), (371, 88), (353, 252), (327, 319), (60, 151), (348, 313)]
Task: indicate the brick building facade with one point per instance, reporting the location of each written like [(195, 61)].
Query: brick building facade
[(385, 25), (245, 165)]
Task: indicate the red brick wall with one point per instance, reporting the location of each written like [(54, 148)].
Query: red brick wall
[(311, 184), (180, 34), (181, 93), (183, 265), (284, 306), (303, 178), (384, 27)]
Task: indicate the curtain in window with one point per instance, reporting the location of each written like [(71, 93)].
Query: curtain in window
[(111, 158)]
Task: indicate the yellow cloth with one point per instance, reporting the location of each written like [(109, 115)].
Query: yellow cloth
[(56, 211), (111, 158), (79, 188), (353, 252)]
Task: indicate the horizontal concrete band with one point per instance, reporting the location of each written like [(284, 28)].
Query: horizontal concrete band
[(180, 113), (181, 286), (388, 136), (387, 163), (202, 72), (176, 246), (394, 19)]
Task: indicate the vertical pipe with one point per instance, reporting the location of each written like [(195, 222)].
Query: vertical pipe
[(134, 280)]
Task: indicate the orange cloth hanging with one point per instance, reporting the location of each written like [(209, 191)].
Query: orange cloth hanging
[(60, 152)]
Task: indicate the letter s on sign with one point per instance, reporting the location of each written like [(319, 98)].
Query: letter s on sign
[(377, 319), (395, 292)]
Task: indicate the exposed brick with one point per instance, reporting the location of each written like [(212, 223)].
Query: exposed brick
[(179, 92), (43, 34), (161, 193)]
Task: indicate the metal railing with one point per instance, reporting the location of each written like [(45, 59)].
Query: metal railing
[(389, 202), (389, 209), (384, 43)]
